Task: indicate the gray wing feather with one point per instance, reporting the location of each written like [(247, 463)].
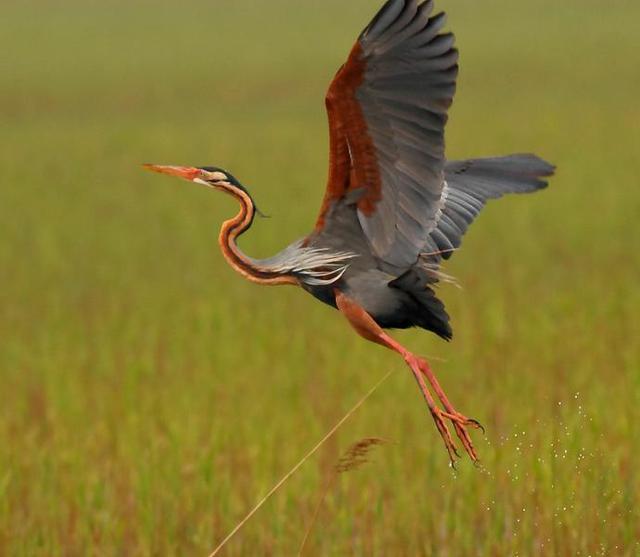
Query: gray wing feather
[(425, 204), (387, 20), (408, 86), (470, 184)]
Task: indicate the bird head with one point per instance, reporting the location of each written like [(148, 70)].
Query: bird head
[(210, 176)]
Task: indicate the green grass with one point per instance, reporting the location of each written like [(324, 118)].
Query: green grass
[(148, 396)]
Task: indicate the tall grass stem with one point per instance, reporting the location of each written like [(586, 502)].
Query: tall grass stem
[(275, 488)]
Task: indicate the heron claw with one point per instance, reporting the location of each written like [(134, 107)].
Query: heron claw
[(476, 424), (460, 424)]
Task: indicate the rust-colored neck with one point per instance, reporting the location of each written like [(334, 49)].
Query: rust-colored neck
[(241, 263)]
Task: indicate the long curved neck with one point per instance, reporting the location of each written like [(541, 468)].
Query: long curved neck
[(243, 264)]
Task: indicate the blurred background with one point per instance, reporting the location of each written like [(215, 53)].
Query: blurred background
[(149, 396)]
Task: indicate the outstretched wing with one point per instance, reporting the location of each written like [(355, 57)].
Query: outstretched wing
[(387, 110), (470, 184)]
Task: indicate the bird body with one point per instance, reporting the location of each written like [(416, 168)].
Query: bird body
[(394, 207), (400, 297)]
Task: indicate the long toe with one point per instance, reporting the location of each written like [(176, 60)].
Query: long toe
[(461, 423), (443, 429), (465, 438)]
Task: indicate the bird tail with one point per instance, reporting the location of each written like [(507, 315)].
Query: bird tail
[(425, 309)]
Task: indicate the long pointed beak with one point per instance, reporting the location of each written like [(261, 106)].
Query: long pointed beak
[(186, 172)]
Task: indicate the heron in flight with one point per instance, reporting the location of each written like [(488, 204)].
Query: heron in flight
[(394, 206)]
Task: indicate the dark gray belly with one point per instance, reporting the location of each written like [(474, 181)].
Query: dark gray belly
[(371, 290)]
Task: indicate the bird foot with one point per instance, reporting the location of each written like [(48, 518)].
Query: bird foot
[(461, 423), (440, 417)]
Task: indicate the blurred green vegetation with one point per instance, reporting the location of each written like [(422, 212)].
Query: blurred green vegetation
[(148, 396)]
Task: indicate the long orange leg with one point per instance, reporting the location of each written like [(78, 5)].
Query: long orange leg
[(366, 327)]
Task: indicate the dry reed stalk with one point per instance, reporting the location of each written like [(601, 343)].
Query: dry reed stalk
[(355, 457), (275, 488)]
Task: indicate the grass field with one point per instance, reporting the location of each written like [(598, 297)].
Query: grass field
[(149, 396)]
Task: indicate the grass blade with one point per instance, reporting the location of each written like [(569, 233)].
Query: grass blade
[(306, 457)]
